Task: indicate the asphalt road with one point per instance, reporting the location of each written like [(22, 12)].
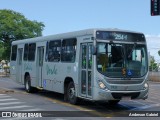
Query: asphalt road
[(14, 98)]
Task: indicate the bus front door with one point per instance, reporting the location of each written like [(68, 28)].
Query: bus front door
[(86, 70), (40, 56), (19, 67)]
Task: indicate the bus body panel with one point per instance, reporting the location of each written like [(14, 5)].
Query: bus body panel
[(56, 74)]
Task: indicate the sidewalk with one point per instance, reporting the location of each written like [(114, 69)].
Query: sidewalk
[(154, 76), (5, 90), (3, 74)]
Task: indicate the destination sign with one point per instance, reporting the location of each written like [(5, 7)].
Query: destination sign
[(120, 36)]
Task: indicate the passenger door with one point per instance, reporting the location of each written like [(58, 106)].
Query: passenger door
[(40, 56), (86, 70)]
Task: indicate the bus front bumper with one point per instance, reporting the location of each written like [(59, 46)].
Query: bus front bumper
[(118, 95)]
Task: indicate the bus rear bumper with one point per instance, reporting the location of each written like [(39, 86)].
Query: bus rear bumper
[(103, 95)]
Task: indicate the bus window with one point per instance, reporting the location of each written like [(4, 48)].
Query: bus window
[(14, 53), (31, 53), (25, 57), (68, 50), (54, 51), (84, 57), (46, 57)]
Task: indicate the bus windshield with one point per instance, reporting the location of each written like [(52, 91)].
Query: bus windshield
[(122, 60)]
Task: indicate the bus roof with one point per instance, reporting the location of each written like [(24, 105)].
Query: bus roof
[(69, 35)]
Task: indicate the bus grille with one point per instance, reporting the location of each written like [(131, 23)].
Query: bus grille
[(124, 81)]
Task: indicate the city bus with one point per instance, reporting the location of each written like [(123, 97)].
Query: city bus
[(93, 64)]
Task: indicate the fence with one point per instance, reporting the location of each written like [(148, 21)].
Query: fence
[(154, 76)]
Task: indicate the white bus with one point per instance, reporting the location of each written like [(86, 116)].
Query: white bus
[(94, 64)]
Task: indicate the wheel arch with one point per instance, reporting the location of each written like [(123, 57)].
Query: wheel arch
[(67, 84), (67, 80)]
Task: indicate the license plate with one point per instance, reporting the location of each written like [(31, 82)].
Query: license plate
[(126, 98)]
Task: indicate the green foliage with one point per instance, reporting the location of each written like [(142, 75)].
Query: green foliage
[(153, 65), (6, 67), (1, 49), (14, 26)]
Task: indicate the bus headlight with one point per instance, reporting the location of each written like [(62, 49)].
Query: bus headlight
[(102, 85), (146, 85)]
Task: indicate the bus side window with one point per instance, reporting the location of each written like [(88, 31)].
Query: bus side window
[(46, 58), (54, 50), (32, 50), (14, 53), (25, 57), (69, 50)]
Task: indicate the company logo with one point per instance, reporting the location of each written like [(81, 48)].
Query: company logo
[(6, 114)]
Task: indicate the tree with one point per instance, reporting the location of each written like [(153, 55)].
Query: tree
[(1, 50), (153, 65), (14, 26)]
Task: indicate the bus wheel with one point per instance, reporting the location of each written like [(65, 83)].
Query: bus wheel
[(28, 87), (71, 97), (113, 102)]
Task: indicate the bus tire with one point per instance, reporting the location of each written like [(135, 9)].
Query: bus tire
[(113, 102), (71, 94), (28, 87)]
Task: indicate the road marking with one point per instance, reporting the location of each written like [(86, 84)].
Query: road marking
[(36, 109), (4, 96), (14, 107), (11, 103), (7, 99), (67, 104), (8, 104), (91, 111)]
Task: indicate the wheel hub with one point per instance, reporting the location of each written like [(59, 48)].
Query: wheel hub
[(71, 93)]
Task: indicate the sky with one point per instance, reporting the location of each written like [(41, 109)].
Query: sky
[(61, 16)]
